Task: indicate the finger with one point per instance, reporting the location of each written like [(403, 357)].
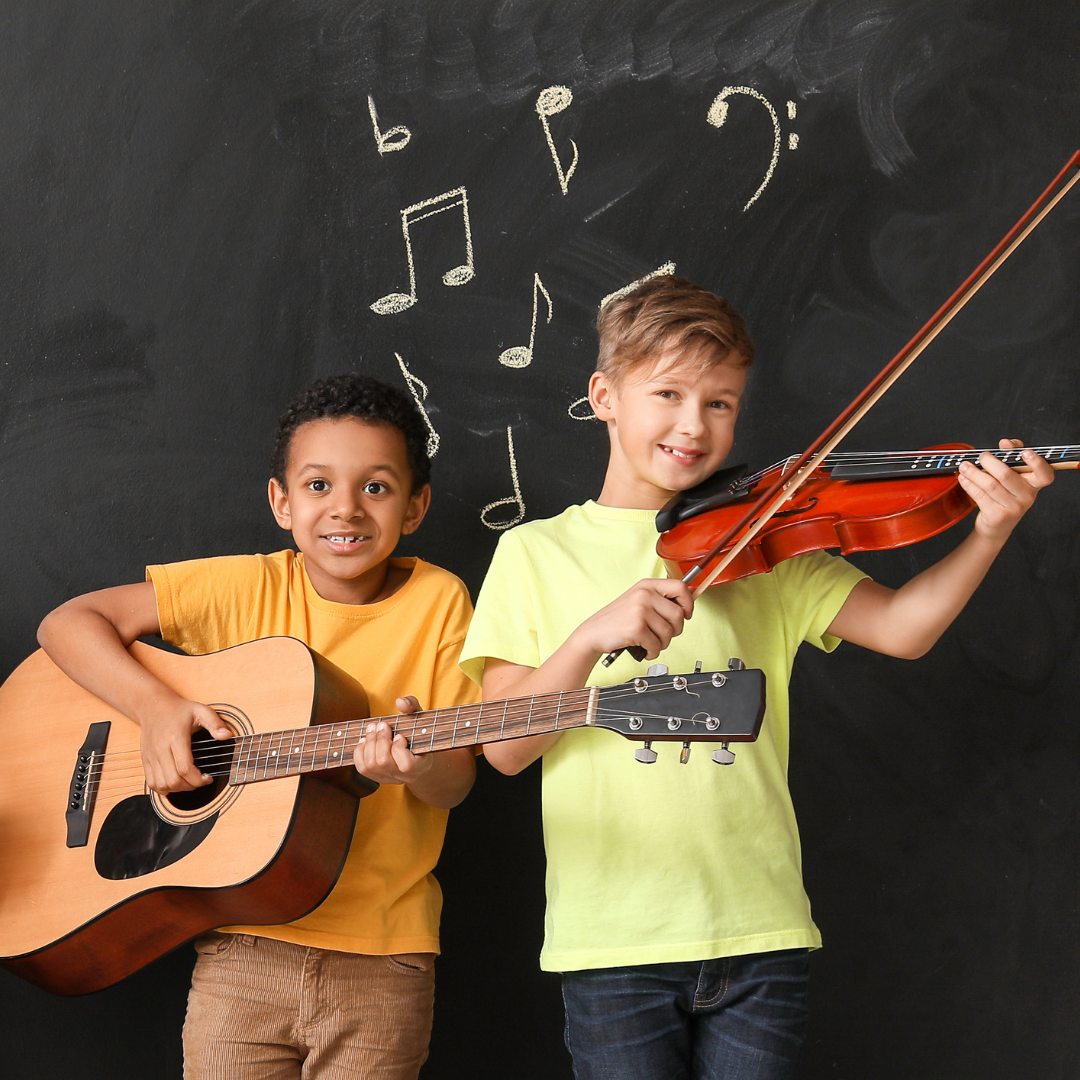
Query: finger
[(983, 487), (404, 759), (1041, 475), (189, 775), (678, 592), (1009, 444), (211, 721), (406, 705)]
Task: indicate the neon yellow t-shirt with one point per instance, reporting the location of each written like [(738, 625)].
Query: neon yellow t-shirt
[(664, 862), (386, 899)]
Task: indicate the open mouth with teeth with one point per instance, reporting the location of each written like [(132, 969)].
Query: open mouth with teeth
[(343, 541), (688, 457)]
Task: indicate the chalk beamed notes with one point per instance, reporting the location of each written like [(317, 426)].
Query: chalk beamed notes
[(718, 113), (395, 138), (393, 303), (510, 500), (520, 356), (418, 389), (551, 101)]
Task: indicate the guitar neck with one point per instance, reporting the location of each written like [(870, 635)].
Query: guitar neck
[(273, 754)]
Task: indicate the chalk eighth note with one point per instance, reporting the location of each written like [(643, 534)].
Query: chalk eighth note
[(393, 303)]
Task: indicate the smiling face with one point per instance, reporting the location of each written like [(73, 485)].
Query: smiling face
[(347, 500), (670, 427)]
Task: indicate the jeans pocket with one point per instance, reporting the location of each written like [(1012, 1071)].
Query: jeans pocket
[(213, 943), (417, 963)]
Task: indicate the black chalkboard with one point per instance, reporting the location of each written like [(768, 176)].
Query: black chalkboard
[(198, 216)]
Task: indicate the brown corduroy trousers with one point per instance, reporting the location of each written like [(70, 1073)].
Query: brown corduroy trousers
[(261, 1009)]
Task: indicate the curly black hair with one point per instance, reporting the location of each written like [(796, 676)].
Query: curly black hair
[(365, 398)]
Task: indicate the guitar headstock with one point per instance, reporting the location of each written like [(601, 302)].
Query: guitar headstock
[(702, 706)]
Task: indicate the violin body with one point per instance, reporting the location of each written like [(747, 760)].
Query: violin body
[(825, 512)]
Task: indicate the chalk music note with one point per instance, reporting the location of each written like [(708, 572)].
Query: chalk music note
[(510, 500), (393, 303), (418, 389), (718, 112), (395, 138), (551, 101), (521, 355), (586, 413), (667, 268)]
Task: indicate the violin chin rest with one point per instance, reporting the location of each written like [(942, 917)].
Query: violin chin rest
[(710, 493)]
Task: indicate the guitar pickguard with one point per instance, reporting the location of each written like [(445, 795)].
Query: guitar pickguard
[(134, 841)]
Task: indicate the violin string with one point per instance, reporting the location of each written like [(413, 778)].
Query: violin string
[(875, 457)]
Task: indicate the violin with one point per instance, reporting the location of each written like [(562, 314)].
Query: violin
[(778, 515), (851, 501)]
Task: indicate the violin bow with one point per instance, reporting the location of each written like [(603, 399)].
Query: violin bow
[(758, 515)]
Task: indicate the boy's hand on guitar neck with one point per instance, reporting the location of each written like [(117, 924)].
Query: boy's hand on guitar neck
[(385, 757), (440, 779)]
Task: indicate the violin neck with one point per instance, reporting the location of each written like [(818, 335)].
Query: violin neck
[(885, 465)]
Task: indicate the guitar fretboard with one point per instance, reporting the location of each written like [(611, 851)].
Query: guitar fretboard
[(274, 754)]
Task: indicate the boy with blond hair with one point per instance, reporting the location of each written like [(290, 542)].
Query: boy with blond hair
[(347, 990), (676, 910)]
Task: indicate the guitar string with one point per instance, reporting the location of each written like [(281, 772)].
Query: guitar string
[(523, 707), (123, 774), (522, 712)]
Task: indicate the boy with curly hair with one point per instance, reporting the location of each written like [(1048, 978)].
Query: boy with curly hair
[(346, 990)]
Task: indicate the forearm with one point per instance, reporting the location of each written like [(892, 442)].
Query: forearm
[(907, 622), (449, 779), (88, 648), (567, 668)]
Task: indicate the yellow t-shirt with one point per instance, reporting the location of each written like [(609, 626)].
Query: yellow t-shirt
[(386, 899), (664, 862)]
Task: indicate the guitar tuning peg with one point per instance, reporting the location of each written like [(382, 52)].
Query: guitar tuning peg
[(684, 757), (735, 664), (723, 756), (646, 755), (657, 670), (697, 667)]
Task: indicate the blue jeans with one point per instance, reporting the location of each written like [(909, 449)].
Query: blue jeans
[(735, 1018)]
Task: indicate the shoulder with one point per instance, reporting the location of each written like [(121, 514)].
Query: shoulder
[(432, 579), (553, 532), (223, 568)]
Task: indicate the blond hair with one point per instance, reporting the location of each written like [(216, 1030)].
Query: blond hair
[(668, 313)]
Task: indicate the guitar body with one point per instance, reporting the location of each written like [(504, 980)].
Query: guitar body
[(87, 896)]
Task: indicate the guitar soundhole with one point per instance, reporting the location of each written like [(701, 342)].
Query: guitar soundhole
[(213, 757), (134, 841)]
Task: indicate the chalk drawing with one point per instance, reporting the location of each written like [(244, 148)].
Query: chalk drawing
[(392, 303), (792, 139), (418, 389), (510, 500), (718, 114), (520, 356), (667, 268), (551, 101), (395, 138), (585, 414)]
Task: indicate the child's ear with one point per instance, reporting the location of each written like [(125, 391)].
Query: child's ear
[(601, 393), (419, 501), (279, 503)]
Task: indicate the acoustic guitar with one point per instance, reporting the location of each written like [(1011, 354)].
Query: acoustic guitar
[(99, 875)]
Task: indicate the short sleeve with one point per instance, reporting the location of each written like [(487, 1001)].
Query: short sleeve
[(813, 589), (207, 604), (504, 623), (449, 685)]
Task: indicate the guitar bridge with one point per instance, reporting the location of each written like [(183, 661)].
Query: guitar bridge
[(84, 783)]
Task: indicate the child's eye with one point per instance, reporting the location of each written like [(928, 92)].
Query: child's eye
[(666, 394), (318, 485), (719, 405), (375, 487)]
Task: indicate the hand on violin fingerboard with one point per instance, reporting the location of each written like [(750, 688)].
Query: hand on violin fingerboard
[(1003, 495)]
